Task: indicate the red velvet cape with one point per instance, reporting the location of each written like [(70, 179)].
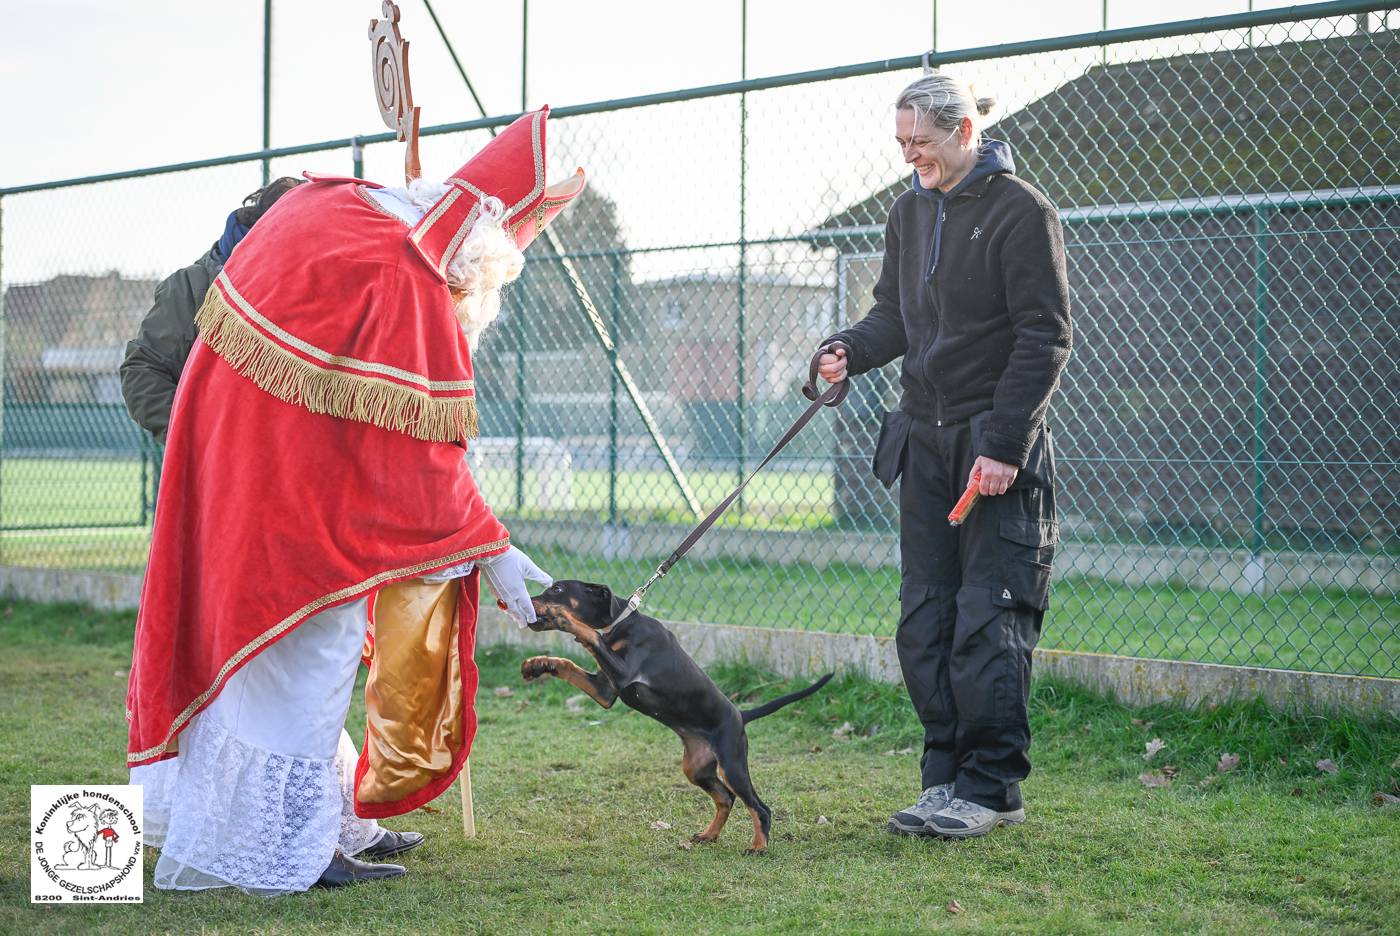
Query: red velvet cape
[(270, 512)]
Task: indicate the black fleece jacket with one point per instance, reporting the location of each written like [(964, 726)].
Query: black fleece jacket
[(973, 294)]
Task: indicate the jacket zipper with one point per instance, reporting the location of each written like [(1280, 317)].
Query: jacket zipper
[(940, 218)]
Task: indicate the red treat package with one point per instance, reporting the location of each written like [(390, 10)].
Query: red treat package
[(964, 505)]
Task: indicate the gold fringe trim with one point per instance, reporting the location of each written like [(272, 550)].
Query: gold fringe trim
[(294, 619), (297, 381)]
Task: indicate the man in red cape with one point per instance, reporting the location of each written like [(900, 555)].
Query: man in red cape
[(316, 507)]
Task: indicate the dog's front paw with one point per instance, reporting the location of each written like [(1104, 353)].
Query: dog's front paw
[(755, 852), (537, 668)]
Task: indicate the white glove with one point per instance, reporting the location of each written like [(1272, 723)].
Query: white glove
[(506, 573)]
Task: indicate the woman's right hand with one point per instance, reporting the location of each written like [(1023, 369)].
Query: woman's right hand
[(832, 366)]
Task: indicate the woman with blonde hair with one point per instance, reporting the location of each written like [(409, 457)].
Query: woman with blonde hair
[(973, 295)]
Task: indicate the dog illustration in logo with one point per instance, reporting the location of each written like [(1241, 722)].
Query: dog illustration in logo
[(84, 826)]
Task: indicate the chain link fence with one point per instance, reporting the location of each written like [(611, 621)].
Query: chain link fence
[(1225, 430)]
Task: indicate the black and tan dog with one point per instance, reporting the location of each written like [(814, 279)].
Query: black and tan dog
[(642, 663)]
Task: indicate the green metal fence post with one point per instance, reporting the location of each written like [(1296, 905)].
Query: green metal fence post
[(1103, 24), (145, 482), (742, 395), (357, 158), (614, 322), (519, 335), (519, 319), (1262, 214), (267, 90), (3, 401)]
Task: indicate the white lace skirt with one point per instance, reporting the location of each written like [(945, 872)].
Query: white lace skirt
[(260, 795)]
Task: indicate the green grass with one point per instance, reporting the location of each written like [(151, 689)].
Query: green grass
[(71, 492), (1321, 631), (1312, 629), (1337, 632), (565, 806)]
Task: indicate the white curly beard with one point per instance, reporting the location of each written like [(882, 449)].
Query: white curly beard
[(487, 260)]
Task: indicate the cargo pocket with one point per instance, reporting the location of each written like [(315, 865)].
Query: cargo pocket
[(890, 447), (1029, 550), (1040, 463)]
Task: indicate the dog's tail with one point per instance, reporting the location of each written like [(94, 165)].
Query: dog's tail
[(768, 708)]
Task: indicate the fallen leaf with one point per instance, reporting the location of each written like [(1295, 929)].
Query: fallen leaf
[(1327, 766), (1153, 746), (1297, 879), (429, 809), (1385, 800), (1170, 771), (1137, 722), (815, 749), (575, 703), (900, 753), (120, 674), (1395, 764), (822, 820), (685, 846), (954, 907), (1154, 779), (874, 730), (503, 692), (1228, 762), (1283, 762), (1214, 863), (661, 825), (844, 732), (1296, 791)]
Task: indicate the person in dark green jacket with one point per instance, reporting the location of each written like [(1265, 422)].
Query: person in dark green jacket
[(155, 358)]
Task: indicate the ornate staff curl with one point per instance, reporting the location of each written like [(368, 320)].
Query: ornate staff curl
[(389, 52)]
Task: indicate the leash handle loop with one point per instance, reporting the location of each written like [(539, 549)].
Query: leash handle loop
[(809, 389)]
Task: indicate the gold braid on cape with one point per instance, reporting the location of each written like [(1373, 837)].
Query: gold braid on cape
[(295, 380)]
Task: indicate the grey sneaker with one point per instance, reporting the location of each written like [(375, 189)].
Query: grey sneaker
[(962, 819), (914, 820)]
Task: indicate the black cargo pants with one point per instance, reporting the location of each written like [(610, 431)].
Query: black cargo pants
[(971, 603)]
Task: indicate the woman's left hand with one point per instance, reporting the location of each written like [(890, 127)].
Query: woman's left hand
[(996, 476)]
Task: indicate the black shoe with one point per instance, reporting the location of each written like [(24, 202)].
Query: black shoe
[(342, 871), (391, 844)]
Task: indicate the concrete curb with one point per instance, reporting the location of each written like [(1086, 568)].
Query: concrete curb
[(1130, 680)]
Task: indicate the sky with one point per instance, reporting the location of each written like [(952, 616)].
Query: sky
[(113, 86)]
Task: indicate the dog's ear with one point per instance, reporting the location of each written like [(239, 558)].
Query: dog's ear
[(599, 591)]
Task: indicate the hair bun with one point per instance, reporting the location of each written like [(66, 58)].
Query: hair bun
[(985, 105)]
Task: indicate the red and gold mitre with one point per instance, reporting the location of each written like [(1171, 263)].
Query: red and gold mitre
[(512, 168), (325, 303)]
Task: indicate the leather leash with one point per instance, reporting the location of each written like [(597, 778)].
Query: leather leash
[(832, 396)]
